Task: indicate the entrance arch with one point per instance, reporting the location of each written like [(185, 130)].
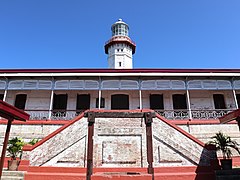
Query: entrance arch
[(119, 101)]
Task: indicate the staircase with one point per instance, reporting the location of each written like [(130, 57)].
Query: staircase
[(12, 175)]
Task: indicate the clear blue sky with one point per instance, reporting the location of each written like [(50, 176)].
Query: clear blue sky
[(72, 33)]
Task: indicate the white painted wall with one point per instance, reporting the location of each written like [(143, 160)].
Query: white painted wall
[(199, 99), (120, 53)]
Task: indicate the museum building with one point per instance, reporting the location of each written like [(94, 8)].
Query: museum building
[(188, 101)]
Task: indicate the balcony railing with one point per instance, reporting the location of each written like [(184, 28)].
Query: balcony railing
[(168, 114), (54, 115), (196, 114)]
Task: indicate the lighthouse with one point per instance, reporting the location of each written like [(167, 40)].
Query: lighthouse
[(120, 48)]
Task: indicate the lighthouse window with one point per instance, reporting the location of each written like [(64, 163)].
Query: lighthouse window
[(122, 50), (120, 64)]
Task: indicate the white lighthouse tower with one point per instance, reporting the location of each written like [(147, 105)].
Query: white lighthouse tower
[(120, 47)]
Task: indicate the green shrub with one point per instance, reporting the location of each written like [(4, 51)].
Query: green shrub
[(14, 148)]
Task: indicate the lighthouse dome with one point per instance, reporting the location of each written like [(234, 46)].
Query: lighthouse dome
[(120, 28)]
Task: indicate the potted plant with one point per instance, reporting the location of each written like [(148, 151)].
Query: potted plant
[(224, 144), (14, 150)]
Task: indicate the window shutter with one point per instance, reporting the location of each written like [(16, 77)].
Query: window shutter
[(16, 84), (110, 84), (90, 84), (62, 84), (195, 84), (3, 84), (177, 84), (30, 84), (163, 84), (224, 84), (236, 84), (148, 84), (76, 84), (129, 84), (44, 84), (209, 84)]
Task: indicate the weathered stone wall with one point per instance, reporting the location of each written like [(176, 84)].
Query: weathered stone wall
[(28, 131), (66, 148), (204, 132), (173, 148), (119, 142)]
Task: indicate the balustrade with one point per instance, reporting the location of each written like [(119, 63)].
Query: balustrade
[(196, 114), (179, 114)]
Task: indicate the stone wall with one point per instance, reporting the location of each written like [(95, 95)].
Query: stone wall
[(28, 131), (65, 148), (119, 142)]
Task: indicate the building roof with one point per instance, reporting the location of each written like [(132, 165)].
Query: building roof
[(119, 72), (145, 70)]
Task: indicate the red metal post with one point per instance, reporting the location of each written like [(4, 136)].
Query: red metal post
[(238, 121), (91, 121), (148, 122), (5, 145)]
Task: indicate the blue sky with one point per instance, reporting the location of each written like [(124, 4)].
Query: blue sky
[(72, 33)]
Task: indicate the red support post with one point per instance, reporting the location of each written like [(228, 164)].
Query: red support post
[(148, 122), (5, 145), (91, 121)]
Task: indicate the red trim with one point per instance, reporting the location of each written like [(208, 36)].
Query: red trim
[(197, 121), (180, 130), (30, 148), (230, 116), (150, 70), (8, 111), (118, 40), (37, 122)]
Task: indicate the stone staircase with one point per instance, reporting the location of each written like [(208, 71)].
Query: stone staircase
[(12, 175)]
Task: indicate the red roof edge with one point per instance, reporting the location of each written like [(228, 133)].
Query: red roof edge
[(139, 70)]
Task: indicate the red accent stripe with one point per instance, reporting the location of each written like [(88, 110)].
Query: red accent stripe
[(150, 70)]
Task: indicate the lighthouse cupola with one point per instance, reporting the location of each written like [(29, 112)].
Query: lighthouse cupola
[(120, 47)]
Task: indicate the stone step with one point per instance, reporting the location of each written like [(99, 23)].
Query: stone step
[(12, 178), (13, 173)]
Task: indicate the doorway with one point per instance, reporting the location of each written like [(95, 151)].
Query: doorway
[(119, 101)]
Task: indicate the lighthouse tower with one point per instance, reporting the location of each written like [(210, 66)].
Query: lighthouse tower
[(120, 47)]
